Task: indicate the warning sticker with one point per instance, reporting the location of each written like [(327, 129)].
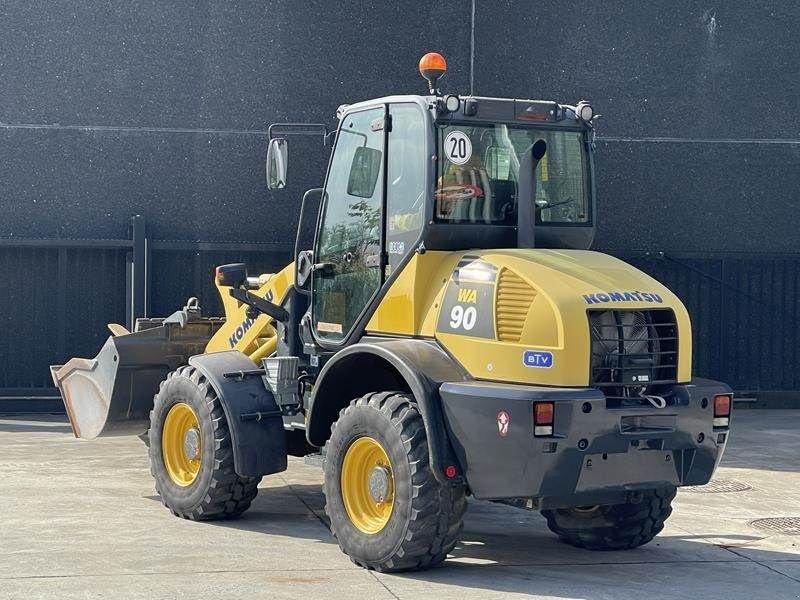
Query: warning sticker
[(503, 419), (457, 147)]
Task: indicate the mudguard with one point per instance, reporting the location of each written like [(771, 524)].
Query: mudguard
[(254, 419), (422, 364)]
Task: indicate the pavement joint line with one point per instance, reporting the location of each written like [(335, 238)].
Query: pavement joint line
[(586, 564), (795, 579), (303, 502), (744, 556), (447, 565), (386, 587), (205, 572)]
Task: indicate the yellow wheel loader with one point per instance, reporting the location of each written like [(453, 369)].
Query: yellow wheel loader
[(448, 334)]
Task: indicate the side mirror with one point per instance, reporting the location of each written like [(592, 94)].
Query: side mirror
[(277, 162), (233, 275)]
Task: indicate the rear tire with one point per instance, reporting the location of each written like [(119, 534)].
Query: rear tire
[(213, 490), (426, 517), (616, 526)]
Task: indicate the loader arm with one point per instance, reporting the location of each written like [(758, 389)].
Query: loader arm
[(256, 338)]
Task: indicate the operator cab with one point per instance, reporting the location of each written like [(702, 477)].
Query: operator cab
[(410, 174)]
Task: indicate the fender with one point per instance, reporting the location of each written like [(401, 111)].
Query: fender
[(423, 366), (254, 419)]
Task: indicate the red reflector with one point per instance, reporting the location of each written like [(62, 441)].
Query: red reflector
[(450, 471), (722, 406), (543, 413)]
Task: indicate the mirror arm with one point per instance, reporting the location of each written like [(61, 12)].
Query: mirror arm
[(260, 305), (284, 129)]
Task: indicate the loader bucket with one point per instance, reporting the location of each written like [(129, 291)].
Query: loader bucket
[(112, 393)]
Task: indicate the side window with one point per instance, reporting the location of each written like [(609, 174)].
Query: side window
[(349, 239), (406, 186), (561, 180)]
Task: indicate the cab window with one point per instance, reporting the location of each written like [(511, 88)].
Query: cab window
[(478, 174), (406, 187), (349, 239)]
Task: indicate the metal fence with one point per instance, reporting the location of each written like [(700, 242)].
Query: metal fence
[(745, 314), (58, 295)]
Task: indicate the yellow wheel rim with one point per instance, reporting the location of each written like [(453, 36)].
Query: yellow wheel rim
[(367, 485), (181, 444)]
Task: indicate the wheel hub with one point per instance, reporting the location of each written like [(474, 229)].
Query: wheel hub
[(191, 444), (379, 484)]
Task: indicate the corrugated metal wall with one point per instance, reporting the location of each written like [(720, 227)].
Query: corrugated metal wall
[(56, 302), (745, 309), (745, 314)]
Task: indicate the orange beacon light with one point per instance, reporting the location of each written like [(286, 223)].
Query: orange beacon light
[(432, 67)]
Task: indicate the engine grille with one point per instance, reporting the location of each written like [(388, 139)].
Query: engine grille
[(633, 352), (514, 299)]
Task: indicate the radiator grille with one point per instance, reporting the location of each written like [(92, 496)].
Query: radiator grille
[(633, 352), (514, 299)]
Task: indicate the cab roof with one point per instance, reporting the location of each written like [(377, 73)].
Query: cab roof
[(482, 109)]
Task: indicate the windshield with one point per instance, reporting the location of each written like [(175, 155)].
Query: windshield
[(478, 172)]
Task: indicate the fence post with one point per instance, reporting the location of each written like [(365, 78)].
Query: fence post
[(138, 273)]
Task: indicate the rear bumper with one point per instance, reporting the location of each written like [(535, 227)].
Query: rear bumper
[(595, 453)]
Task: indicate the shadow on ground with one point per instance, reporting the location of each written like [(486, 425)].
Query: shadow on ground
[(34, 424)]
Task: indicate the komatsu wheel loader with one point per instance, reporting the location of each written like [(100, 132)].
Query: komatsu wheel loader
[(448, 334)]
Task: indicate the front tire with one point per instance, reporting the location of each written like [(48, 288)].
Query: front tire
[(387, 509), (191, 458), (614, 527)]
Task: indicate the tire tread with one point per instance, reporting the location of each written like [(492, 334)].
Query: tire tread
[(228, 494)]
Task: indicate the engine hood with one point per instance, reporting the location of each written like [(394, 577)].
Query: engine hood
[(521, 315)]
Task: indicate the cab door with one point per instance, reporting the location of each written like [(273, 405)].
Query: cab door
[(349, 244)]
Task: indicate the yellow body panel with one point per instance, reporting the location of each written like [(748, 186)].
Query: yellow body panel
[(409, 307), (544, 304), (254, 337)]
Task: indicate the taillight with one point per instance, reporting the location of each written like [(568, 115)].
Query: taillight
[(722, 410), (543, 414)]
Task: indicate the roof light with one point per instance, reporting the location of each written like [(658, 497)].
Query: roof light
[(584, 111), (432, 67), (452, 103), (543, 416)]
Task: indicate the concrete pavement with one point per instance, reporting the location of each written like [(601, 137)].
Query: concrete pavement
[(80, 520)]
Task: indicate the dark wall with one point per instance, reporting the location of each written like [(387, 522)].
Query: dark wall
[(161, 108)]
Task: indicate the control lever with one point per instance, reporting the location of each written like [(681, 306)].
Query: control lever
[(259, 305)]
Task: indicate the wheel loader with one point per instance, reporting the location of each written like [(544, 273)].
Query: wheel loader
[(448, 334)]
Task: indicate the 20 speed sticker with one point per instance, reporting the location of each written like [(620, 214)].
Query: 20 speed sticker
[(457, 147)]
